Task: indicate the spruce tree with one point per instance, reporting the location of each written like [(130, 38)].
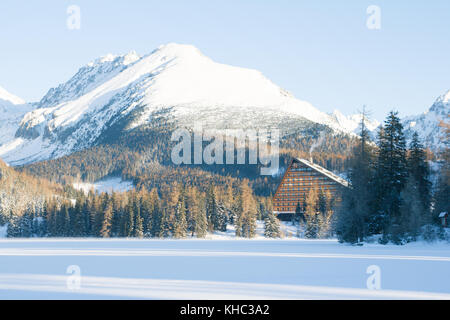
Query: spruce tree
[(441, 202), (180, 224), (66, 231), (222, 217), (420, 172), (155, 221), (105, 231), (79, 228), (356, 218), (299, 216), (201, 224), (272, 226), (138, 231), (246, 220), (312, 215), (392, 172), (211, 210), (165, 230), (146, 212), (128, 221), (412, 213)]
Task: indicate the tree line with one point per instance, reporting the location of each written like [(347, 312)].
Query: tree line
[(391, 192), (176, 212)]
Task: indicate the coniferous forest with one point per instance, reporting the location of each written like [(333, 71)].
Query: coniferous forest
[(393, 196)]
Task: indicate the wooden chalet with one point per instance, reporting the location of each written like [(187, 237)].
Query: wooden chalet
[(299, 178)]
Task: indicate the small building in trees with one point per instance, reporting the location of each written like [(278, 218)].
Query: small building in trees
[(300, 177), (444, 219)]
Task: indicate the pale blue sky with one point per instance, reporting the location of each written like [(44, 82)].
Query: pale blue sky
[(321, 51)]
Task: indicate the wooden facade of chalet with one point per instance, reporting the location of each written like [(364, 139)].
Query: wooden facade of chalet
[(300, 177)]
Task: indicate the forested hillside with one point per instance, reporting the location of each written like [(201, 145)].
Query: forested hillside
[(21, 193)]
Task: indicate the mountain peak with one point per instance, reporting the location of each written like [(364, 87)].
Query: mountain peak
[(427, 123), (9, 97), (175, 83), (445, 98), (441, 106), (352, 122), (177, 49)]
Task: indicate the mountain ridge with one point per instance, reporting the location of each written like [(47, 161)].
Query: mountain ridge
[(174, 84)]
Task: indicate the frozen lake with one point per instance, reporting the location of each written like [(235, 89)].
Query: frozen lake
[(220, 269)]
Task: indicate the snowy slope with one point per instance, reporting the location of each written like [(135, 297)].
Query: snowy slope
[(427, 124), (7, 97), (352, 123), (88, 78), (12, 110), (177, 83), (177, 79)]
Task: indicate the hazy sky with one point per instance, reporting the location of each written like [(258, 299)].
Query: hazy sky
[(321, 51)]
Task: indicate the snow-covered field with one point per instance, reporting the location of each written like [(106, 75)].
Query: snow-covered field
[(220, 269)]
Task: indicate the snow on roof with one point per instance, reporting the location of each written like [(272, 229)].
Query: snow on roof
[(324, 171), (443, 214)]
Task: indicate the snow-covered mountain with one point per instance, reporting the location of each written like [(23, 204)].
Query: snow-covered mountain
[(176, 80), (12, 111), (352, 122), (8, 98), (88, 78), (427, 124), (176, 83)]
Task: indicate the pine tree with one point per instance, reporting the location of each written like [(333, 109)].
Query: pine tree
[(326, 211), (440, 197), (222, 218), (312, 215), (230, 203), (67, 232), (419, 170), (128, 221), (392, 172), (247, 212), (79, 226), (299, 216), (26, 224), (201, 224), (138, 226), (13, 230), (272, 227), (156, 215), (165, 230), (146, 213), (197, 223), (412, 212), (211, 210), (180, 224), (355, 217), (117, 208), (106, 229)]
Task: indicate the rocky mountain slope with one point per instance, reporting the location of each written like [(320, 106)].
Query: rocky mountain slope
[(427, 125), (175, 82), (175, 85)]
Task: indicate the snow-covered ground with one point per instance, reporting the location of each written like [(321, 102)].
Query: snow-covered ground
[(287, 230), (109, 185), (218, 269)]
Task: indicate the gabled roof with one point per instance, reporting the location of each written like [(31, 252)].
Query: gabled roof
[(324, 171), (443, 214)]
